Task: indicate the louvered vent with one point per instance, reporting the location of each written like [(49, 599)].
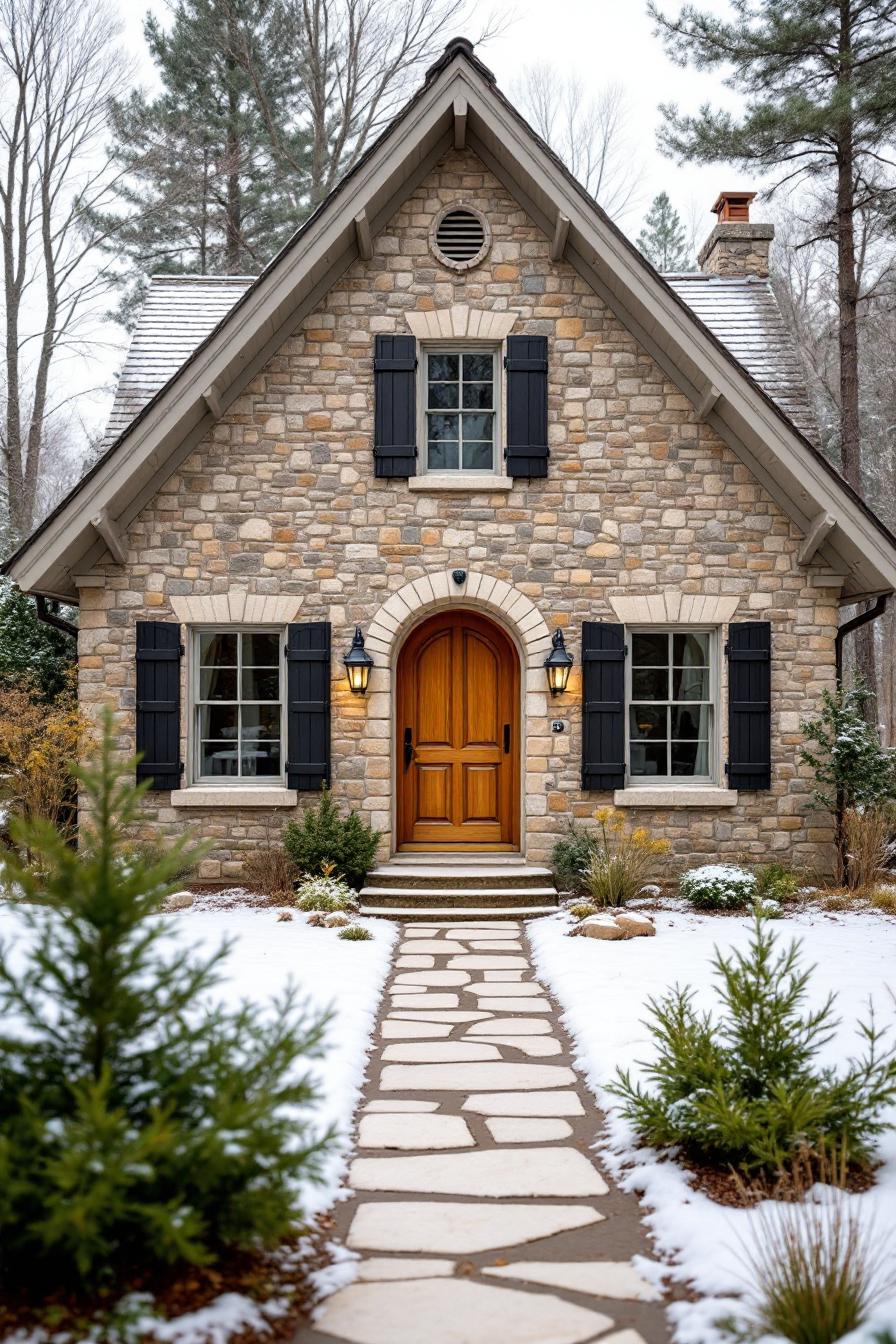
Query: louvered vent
[(461, 238)]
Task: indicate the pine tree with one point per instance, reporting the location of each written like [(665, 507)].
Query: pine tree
[(202, 190), (662, 239), (32, 654), (141, 1123)]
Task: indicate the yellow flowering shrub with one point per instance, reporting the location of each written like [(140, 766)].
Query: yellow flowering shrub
[(38, 743), (621, 858)]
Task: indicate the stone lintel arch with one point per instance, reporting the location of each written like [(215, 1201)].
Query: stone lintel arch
[(481, 592)]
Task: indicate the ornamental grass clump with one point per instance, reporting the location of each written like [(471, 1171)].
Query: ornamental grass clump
[(718, 886), (144, 1123), (328, 892), (744, 1088), (621, 859)]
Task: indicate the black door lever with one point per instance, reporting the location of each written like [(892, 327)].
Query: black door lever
[(408, 747), (506, 738)]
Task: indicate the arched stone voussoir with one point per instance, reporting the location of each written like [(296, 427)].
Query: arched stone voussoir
[(481, 592)]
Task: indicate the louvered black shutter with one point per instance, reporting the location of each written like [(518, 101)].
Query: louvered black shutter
[(603, 705), (159, 652), (308, 705), (395, 412), (749, 651), (526, 363)]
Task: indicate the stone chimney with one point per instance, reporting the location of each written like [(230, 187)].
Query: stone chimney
[(735, 246)]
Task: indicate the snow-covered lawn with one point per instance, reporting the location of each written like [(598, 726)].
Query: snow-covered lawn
[(603, 987), (329, 971)]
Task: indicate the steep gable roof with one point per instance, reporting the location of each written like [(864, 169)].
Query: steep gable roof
[(459, 104)]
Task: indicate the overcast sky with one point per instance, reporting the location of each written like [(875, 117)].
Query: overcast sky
[(599, 41)]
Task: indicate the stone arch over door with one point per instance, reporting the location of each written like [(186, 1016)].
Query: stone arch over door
[(506, 605)]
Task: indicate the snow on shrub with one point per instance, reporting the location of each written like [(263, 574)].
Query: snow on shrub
[(718, 886), (327, 892), (355, 933)]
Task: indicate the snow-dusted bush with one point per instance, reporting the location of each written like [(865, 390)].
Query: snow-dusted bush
[(326, 892), (355, 933), (718, 886)]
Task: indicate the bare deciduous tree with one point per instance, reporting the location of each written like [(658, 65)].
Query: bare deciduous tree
[(587, 131), (58, 67)]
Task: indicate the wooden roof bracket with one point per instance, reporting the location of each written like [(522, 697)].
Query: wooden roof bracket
[(213, 401), (363, 235), (819, 529), (560, 238), (707, 402), (460, 123), (108, 532)]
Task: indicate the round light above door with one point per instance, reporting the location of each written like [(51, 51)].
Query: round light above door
[(460, 237)]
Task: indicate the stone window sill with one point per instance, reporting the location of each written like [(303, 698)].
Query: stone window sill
[(460, 482), (676, 796), (200, 796)]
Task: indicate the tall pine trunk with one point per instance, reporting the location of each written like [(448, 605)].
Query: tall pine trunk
[(234, 211), (848, 329)]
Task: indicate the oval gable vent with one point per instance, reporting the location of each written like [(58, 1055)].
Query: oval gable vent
[(460, 238)]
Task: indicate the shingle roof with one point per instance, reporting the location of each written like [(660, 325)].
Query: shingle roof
[(743, 313), (181, 310)]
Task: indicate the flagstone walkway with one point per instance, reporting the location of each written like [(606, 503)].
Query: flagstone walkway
[(478, 1212)]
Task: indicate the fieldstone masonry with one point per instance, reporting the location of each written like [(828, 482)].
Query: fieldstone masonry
[(641, 500)]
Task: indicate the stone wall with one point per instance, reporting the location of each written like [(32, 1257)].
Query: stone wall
[(640, 498)]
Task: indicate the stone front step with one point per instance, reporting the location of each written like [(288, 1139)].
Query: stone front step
[(429, 895), (458, 913), (460, 875)]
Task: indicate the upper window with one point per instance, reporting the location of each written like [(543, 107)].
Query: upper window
[(238, 705), (671, 710), (460, 410)]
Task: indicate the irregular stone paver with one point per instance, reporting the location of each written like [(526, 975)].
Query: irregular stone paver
[(410, 1131), (527, 1129), (435, 1052), (471, 1149), (454, 1312), (469, 1077), (461, 1228), (600, 1278), (494, 1174)]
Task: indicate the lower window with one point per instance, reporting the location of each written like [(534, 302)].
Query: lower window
[(671, 705), (238, 705)]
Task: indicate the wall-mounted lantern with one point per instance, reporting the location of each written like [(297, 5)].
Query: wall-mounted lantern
[(358, 663), (557, 664)]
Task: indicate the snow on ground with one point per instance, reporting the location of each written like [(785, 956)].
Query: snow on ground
[(603, 987), (329, 971)]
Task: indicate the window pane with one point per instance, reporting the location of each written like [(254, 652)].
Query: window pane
[(690, 722), (217, 650), (690, 650), (262, 759), (648, 721), (218, 758), (443, 368), (477, 456), (217, 683), (442, 456), (478, 368), (648, 758), (690, 758), (478, 396), (478, 427), (443, 427), (690, 683), (650, 650), (443, 396), (260, 721), (219, 721), (261, 683), (650, 683), (261, 649)]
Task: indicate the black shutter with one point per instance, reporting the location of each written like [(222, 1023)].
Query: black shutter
[(308, 705), (526, 363), (395, 412), (603, 705), (749, 651), (159, 652)]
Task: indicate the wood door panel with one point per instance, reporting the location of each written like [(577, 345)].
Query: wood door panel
[(457, 694)]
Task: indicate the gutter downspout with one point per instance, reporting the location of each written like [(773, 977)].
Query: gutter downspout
[(863, 618), (49, 618)]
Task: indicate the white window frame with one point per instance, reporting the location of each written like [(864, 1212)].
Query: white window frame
[(194, 737), (460, 347), (714, 747)]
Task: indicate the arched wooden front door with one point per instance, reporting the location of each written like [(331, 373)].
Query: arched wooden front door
[(457, 725)]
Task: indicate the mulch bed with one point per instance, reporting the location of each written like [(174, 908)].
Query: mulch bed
[(725, 1186), (261, 1276)]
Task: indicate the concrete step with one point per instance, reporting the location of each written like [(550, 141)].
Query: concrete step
[(459, 877), (377, 895), (458, 913)]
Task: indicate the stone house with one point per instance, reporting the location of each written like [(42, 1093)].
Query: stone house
[(462, 416)]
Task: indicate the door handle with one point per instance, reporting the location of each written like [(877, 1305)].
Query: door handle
[(506, 739), (408, 747)]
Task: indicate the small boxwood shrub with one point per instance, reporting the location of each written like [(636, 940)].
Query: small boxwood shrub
[(327, 892), (322, 836), (718, 886), (775, 882), (570, 858), (582, 909)]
